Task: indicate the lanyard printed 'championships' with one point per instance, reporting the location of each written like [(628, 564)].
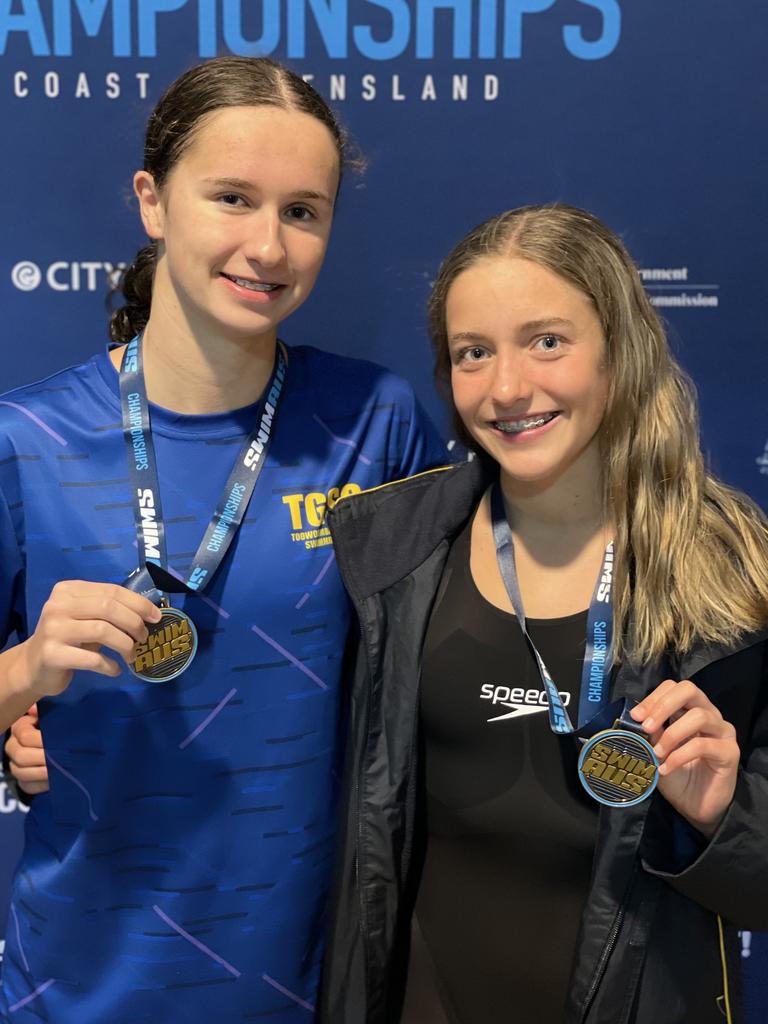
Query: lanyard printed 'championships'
[(233, 503), (596, 668), (617, 765)]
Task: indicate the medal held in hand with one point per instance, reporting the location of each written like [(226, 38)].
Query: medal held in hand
[(172, 642), (169, 648), (618, 768), (617, 765)]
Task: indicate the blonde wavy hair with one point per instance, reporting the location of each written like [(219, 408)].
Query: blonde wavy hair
[(691, 554)]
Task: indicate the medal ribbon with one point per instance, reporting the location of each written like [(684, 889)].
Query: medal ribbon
[(595, 713), (152, 577)]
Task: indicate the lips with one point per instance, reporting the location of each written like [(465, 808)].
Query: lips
[(252, 285), (522, 424)]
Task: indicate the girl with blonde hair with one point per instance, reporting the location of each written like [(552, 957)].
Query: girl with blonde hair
[(558, 764)]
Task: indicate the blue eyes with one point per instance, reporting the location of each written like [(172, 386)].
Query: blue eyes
[(549, 343)]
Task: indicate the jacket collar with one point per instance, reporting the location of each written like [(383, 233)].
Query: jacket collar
[(382, 535), (705, 654)]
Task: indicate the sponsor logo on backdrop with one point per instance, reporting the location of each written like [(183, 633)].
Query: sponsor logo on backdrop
[(64, 276), (376, 31), (676, 288), (762, 460), (8, 802)]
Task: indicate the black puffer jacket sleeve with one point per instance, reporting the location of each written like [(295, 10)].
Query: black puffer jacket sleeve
[(729, 873)]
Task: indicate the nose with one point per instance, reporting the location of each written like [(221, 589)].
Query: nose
[(266, 245), (510, 384)]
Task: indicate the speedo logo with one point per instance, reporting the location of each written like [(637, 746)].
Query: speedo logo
[(520, 702)]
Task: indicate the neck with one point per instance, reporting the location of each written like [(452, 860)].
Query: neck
[(572, 503), (196, 374)]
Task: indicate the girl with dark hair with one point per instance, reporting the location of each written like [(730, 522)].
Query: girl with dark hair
[(559, 740), (163, 506)]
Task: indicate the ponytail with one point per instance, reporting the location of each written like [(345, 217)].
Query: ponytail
[(136, 287)]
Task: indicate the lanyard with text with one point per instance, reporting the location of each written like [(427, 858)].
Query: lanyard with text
[(617, 765), (172, 642)]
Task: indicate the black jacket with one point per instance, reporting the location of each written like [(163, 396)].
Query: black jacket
[(658, 942)]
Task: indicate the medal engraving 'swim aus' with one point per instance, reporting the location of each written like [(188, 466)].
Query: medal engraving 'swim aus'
[(168, 650), (618, 768)]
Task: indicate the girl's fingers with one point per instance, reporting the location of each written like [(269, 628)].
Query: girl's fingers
[(696, 721), (644, 709), (718, 753), (23, 757), (28, 776), (71, 659), (127, 611), (93, 634), (666, 700), (106, 609), (34, 788), (27, 729)]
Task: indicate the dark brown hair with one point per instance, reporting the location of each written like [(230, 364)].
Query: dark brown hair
[(213, 85)]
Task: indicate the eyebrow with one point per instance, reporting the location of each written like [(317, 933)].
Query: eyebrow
[(242, 185), (548, 321), (529, 325), (467, 336)]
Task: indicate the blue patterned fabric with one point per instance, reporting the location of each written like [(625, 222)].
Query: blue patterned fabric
[(178, 868)]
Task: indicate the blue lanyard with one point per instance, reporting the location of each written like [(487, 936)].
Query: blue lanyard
[(595, 712), (152, 577)]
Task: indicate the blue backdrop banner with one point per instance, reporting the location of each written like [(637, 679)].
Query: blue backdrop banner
[(647, 114)]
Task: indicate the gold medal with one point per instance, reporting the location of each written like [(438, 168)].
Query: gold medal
[(618, 767), (169, 648)]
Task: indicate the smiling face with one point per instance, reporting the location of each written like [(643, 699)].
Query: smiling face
[(527, 367), (243, 220)]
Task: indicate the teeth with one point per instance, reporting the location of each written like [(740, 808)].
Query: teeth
[(518, 426), (253, 286)]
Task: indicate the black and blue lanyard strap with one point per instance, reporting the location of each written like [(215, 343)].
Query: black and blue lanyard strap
[(152, 578), (595, 711)]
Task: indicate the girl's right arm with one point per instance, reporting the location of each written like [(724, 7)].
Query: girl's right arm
[(77, 620)]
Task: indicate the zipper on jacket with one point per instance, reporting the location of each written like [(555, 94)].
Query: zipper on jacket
[(602, 962), (411, 792), (364, 931)]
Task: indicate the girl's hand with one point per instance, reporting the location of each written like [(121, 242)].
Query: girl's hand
[(76, 621), (696, 748), (26, 755)]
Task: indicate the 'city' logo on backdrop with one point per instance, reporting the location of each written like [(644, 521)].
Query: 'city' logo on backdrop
[(370, 30), (63, 276), (8, 802)]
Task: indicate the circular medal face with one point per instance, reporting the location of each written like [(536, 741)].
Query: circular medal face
[(618, 768), (168, 650)]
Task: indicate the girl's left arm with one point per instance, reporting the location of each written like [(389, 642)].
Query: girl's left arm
[(711, 811)]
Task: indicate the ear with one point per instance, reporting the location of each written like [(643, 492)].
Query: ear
[(150, 204)]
